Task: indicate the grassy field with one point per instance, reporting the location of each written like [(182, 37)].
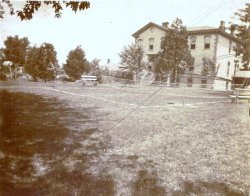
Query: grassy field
[(125, 140)]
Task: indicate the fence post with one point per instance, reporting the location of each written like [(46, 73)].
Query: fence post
[(236, 94)]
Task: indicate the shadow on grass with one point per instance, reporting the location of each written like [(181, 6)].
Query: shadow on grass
[(37, 149), (207, 188), (146, 185)]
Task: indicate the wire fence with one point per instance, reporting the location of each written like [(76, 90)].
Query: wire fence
[(184, 81)]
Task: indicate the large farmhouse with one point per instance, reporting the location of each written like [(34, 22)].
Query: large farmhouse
[(205, 42)]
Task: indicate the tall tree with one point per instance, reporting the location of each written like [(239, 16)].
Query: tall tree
[(243, 33), (33, 62), (30, 7), (42, 62), (15, 51), (174, 52), (132, 58), (76, 63)]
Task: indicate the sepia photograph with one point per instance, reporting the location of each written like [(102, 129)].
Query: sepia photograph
[(125, 98)]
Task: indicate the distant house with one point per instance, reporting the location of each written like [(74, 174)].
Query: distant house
[(204, 42)]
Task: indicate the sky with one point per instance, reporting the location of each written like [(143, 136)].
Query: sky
[(105, 28)]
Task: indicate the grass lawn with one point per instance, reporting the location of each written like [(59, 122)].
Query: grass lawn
[(41, 153), (180, 141)]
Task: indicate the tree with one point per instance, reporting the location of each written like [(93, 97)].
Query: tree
[(94, 64), (174, 52), (76, 63), (96, 70), (209, 67), (41, 62), (48, 62), (3, 68), (33, 62), (243, 33), (30, 7), (15, 52), (1, 11), (132, 58)]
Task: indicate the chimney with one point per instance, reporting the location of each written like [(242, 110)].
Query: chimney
[(222, 25), (108, 61), (165, 24)]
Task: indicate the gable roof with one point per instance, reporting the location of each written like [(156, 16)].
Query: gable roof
[(151, 24), (192, 31)]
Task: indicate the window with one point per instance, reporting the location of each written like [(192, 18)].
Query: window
[(207, 42), (192, 43), (189, 82), (151, 43), (191, 68), (203, 83), (228, 67)]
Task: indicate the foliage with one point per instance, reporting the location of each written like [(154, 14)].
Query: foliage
[(1, 10), (15, 52), (96, 69), (132, 58), (174, 52), (15, 49), (41, 62), (3, 69), (76, 63), (243, 33), (95, 63), (208, 67), (32, 62), (30, 7), (106, 71), (128, 75)]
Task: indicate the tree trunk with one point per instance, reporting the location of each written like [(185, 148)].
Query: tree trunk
[(11, 75), (173, 79)]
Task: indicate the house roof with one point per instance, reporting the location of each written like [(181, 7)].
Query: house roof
[(212, 30), (200, 28), (151, 24), (192, 31)]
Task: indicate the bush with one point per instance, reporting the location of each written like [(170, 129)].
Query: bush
[(3, 77), (66, 79)]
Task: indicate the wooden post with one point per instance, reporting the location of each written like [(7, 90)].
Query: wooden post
[(249, 107)]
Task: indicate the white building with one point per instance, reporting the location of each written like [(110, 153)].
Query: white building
[(204, 42)]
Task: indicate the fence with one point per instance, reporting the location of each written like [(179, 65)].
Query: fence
[(196, 81)]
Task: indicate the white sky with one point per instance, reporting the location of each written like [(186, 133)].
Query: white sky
[(107, 26)]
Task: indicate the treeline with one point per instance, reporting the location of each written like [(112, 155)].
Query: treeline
[(19, 58)]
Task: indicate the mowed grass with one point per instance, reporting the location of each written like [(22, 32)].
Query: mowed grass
[(41, 153), (179, 141)]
